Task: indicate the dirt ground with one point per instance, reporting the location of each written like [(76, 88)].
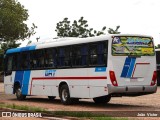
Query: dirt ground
[(117, 105)]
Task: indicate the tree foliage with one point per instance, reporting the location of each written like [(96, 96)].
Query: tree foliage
[(12, 23), (112, 31), (157, 47), (79, 28), (76, 29)]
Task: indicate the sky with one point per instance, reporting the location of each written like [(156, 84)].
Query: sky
[(133, 16)]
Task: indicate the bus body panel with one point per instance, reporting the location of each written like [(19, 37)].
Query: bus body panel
[(80, 81), (140, 73), (85, 84)]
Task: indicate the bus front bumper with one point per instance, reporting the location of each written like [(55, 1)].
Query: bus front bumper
[(131, 90)]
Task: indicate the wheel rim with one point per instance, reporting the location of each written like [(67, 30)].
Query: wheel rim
[(64, 95)]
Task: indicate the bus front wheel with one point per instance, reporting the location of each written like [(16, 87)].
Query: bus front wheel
[(102, 100), (65, 95), (19, 94)]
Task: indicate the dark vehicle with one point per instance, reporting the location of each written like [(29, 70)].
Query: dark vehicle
[(158, 66)]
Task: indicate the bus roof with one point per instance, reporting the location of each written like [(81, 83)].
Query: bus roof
[(66, 41)]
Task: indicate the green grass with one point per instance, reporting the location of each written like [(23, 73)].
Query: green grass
[(88, 115), (22, 107)]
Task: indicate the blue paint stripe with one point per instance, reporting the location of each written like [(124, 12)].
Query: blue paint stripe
[(25, 49), (133, 60), (100, 69), (19, 77), (32, 47), (26, 79), (126, 67), (15, 50)]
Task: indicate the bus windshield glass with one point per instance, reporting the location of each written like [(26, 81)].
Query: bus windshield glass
[(132, 46)]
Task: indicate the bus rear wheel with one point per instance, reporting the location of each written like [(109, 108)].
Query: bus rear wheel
[(65, 95), (19, 94), (102, 100)]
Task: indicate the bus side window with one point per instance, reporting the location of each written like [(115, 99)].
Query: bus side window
[(25, 61), (93, 54), (102, 53), (50, 57), (15, 62), (64, 57), (98, 54), (33, 61), (84, 55), (60, 57), (37, 59), (67, 58), (76, 57)]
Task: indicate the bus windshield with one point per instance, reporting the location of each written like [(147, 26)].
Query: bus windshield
[(132, 46)]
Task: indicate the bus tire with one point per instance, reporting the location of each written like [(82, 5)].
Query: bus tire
[(51, 97), (19, 94), (102, 100), (65, 95)]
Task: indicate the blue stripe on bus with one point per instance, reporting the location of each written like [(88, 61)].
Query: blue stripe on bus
[(25, 48), (23, 77), (32, 47), (133, 60), (100, 69), (15, 50), (19, 77), (128, 67), (26, 78)]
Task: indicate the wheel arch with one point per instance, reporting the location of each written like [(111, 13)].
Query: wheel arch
[(61, 84)]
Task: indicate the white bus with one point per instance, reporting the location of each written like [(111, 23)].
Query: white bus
[(74, 68)]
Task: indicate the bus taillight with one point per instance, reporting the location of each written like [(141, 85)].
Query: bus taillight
[(154, 78), (113, 78)]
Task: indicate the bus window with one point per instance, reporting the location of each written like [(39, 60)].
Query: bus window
[(24, 61), (102, 51), (37, 59), (98, 54), (76, 56), (64, 57), (50, 57), (15, 62), (84, 55), (93, 54)]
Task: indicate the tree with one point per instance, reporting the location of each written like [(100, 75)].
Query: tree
[(80, 29), (12, 24), (76, 29), (111, 31), (157, 47)]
